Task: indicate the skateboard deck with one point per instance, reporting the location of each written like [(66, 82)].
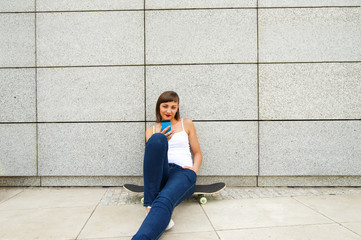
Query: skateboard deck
[(200, 190)]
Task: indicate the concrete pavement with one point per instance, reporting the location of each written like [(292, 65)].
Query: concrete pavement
[(91, 213)]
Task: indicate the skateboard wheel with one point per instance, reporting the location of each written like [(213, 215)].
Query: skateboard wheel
[(203, 200), (142, 200)]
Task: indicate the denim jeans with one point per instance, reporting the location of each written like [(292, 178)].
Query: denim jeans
[(165, 186)]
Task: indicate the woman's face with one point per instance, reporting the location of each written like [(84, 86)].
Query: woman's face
[(168, 110)]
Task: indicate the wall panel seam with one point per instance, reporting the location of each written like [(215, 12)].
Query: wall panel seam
[(145, 69), (36, 94), (194, 120), (258, 109), (180, 9), (183, 64)]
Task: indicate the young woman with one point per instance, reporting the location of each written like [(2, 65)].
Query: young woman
[(169, 171)]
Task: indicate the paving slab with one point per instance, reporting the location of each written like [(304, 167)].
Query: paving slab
[(304, 232), (54, 223), (237, 213), (114, 221), (193, 236), (340, 208), (117, 238), (35, 198), (189, 217), (263, 212), (353, 226), (7, 193)]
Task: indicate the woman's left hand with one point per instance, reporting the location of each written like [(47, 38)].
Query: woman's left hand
[(193, 169)]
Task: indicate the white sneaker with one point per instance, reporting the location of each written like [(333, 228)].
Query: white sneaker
[(170, 225)]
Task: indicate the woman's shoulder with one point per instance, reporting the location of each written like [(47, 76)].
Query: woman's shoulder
[(187, 121), (188, 125)]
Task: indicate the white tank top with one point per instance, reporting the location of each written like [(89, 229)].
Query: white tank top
[(179, 150)]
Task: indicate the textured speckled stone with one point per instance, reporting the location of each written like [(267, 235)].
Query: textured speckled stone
[(115, 181), (237, 181), (314, 34), (91, 149), (228, 148), (310, 91), (211, 92), (307, 3), (90, 38), (91, 94), (213, 36), (310, 181), (78, 5), (156, 4), (20, 181), (214, 155), (231, 181), (17, 95), (17, 5), (18, 150), (321, 148), (17, 40), (90, 181)]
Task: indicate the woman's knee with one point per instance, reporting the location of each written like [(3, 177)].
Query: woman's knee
[(191, 176), (164, 202), (158, 139)]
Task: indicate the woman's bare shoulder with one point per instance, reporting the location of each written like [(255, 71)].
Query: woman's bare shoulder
[(187, 121), (188, 125)]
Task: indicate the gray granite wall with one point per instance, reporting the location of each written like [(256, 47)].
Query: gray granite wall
[(273, 86)]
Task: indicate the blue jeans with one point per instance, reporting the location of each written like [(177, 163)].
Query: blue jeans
[(165, 186)]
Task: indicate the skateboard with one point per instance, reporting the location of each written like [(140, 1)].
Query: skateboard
[(201, 190)]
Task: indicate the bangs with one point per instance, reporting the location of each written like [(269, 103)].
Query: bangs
[(169, 97)]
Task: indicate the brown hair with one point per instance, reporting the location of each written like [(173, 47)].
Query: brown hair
[(168, 96)]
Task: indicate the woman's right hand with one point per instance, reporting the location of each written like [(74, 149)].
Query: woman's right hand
[(169, 134)]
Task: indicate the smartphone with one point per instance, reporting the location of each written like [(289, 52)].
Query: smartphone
[(165, 124)]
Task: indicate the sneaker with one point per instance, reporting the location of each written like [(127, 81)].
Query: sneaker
[(170, 225)]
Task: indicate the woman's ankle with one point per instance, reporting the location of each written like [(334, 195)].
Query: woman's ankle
[(147, 209)]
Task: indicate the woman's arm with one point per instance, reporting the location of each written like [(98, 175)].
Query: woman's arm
[(149, 133), (194, 144)]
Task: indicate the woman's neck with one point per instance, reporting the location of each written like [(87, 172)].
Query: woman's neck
[(174, 121)]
